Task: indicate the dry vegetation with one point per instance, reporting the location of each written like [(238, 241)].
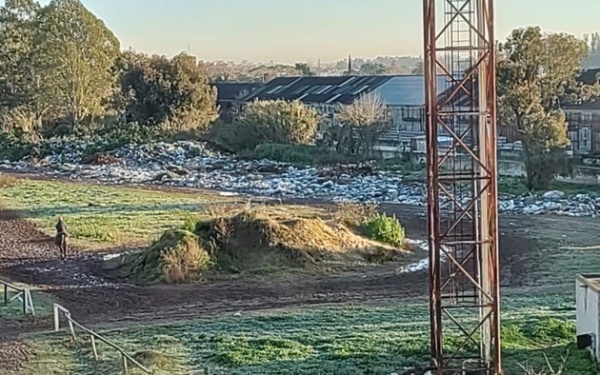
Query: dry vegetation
[(7, 181), (259, 239)]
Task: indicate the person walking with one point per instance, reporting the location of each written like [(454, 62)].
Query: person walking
[(61, 237)]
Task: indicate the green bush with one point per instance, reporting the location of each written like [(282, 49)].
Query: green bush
[(386, 229), (14, 148), (281, 122)]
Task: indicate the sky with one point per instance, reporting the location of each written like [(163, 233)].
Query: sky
[(289, 31)]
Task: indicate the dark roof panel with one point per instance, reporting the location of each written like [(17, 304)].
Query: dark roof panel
[(407, 90), (329, 90), (589, 76), (234, 91)]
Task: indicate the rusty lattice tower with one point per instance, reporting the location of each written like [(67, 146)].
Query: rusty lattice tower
[(462, 185)]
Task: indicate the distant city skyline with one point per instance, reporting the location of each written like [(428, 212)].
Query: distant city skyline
[(287, 32)]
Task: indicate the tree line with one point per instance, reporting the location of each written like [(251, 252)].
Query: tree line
[(62, 69), (537, 77), (62, 72)]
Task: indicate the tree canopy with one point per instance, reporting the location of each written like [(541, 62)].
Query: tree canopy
[(277, 121), (77, 53), (155, 90), (60, 64), (537, 75)]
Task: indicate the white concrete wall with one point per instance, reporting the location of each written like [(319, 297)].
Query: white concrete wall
[(588, 318)]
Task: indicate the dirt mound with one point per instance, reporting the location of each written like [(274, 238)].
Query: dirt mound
[(177, 257), (253, 240)]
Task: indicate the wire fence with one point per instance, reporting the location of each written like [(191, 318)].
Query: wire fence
[(20, 294), (126, 358)]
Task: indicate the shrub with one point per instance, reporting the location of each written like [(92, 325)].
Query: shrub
[(386, 229), (290, 123), (14, 148), (7, 181), (184, 261)]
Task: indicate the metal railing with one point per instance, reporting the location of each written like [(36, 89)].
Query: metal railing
[(58, 309), (21, 294)]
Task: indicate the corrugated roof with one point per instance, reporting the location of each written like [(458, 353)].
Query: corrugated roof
[(406, 90), (330, 90), (232, 91)]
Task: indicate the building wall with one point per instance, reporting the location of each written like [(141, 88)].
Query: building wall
[(408, 118), (584, 131), (588, 320), (403, 119)]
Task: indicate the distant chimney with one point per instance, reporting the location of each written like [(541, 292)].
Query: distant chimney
[(349, 64)]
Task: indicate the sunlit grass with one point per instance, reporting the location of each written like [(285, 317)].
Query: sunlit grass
[(343, 341), (100, 216)]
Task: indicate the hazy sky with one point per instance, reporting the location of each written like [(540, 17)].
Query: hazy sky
[(289, 31)]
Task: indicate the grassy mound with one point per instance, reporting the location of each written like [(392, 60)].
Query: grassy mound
[(257, 240), (177, 257), (252, 240)]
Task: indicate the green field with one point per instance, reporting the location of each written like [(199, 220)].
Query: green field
[(538, 315), (100, 216), (349, 341)]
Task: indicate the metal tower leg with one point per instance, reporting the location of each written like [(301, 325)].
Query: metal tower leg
[(462, 186)]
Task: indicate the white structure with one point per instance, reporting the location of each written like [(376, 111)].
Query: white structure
[(588, 313)]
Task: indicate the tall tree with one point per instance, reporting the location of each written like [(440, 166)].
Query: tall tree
[(78, 53), (537, 74), (593, 58), (155, 90), (19, 68)]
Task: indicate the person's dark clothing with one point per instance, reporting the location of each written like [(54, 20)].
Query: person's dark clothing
[(61, 228), (61, 239)]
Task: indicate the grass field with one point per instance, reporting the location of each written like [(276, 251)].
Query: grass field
[(100, 216), (348, 341), (343, 340), (564, 247)]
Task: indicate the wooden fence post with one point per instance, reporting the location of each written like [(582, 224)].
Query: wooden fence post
[(94, 347), (24, 299), (93, 336), (31, 307), (56, 319), (5, 294), (68, 315)]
